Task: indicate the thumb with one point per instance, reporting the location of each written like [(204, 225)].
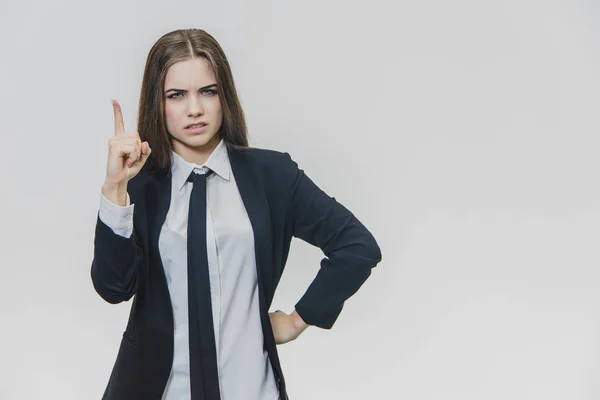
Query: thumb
[(146, 150)]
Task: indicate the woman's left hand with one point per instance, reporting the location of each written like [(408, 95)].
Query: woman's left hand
[(286, 327)]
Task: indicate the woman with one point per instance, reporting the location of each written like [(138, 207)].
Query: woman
[(205, 248)]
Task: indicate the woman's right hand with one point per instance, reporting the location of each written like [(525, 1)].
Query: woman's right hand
[(127, 154)]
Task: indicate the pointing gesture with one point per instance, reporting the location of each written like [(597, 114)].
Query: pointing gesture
[(127, 154), (119, 126)]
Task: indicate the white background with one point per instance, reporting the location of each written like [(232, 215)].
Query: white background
[(463, 134)]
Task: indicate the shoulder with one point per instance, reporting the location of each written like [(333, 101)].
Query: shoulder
[(277, 168), (269, 160)]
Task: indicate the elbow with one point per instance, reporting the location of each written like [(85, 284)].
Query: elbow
[(108, 293), (377, 250), (372, 251), (110, 297), (376, 253), (112, 291)]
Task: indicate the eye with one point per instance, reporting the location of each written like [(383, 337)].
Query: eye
[(210, 92), (173, 95)]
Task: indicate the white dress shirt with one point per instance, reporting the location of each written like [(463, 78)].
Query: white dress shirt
[(245, 372)]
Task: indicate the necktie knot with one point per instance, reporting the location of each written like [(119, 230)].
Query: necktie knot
[(205, 172)]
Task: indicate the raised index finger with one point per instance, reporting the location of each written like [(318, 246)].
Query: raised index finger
[(119, 127)]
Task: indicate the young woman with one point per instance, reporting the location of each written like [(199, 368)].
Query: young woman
[(197, 225)]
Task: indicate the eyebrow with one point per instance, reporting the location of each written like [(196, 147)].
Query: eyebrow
[(183, 90)]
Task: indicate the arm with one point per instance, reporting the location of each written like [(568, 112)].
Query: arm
[(118, 255), (118, 252), (350, 249), (286, 327)]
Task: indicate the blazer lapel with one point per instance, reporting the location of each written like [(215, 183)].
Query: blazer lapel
[(256, 203)]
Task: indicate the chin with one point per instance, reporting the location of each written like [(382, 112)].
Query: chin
[(199, 140)]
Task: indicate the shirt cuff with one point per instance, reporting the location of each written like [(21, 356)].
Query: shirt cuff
[(117, 218)]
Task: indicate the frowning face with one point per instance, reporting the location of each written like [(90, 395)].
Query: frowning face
[(192, 109)]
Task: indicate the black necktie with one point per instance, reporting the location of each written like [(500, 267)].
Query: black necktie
[(204, 376)]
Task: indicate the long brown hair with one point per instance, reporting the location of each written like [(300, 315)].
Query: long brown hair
[(175, 46)]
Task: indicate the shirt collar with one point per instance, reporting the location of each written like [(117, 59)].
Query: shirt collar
[(218, 161)]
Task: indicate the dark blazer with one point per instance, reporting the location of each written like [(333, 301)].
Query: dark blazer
[(281, 202)]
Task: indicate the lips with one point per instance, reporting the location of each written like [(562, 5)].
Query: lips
[(196, 125)]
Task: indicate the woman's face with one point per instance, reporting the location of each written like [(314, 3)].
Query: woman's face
[(191, 97)]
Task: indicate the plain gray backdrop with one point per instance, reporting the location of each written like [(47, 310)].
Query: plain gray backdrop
[(463, 134)]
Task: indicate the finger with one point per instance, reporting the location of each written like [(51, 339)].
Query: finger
[(135, 156), (141, 154), (130, 161), (119, 127), (145, 152), (146, 149), (134, 143), (128, 153), (127, 139)]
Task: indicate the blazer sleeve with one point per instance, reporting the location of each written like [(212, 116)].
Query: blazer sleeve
[(350, 249), (117, 264)]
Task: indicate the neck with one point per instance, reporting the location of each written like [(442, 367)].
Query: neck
[(197, 155)]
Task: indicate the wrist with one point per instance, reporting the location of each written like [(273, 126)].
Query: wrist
[(299, 323), (115, 193)]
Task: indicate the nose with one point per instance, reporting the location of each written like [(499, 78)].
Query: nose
[(194, 107)]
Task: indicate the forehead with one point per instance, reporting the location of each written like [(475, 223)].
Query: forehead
[(191, 73)]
